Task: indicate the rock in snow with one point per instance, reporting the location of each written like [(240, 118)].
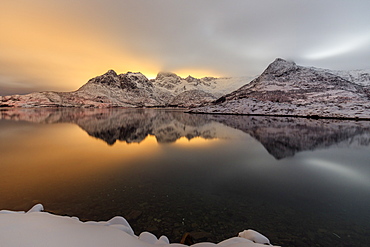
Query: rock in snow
[(286, 89), (37, 228), (132, 90)]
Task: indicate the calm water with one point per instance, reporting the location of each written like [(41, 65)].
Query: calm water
[(300, 182)]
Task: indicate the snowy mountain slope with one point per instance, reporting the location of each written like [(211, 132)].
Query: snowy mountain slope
[(192, 98), (286, 89), (132, 90), (215, 86), (359, 76)]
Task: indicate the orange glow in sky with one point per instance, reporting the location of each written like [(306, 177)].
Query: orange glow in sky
[(58, 51), (54, 49)]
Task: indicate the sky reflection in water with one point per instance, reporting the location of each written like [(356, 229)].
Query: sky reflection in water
[(288, 178)]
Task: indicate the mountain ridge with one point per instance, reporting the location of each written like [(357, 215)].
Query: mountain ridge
[(287, 89), (132, 89)]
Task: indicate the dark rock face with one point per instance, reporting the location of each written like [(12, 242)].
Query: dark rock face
[(110, 79), (123, 81)]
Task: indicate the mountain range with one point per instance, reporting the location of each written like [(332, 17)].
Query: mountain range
[(283, 89), (132, 90)]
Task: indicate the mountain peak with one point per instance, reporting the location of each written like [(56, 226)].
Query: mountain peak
[(164, 74), (111, 72), (167, 79), (280, 66), (135, 76), (110, 78), (191, 79)]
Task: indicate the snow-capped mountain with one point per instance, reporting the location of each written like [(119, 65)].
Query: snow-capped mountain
[(132, 90), (287, 89)]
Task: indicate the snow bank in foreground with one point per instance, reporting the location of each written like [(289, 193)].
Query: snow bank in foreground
[(37, 228)]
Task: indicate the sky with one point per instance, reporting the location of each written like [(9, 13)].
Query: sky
[(58, 45)]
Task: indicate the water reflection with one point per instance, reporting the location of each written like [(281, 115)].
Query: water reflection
[(170, 172), (282, 137), (129, 125)]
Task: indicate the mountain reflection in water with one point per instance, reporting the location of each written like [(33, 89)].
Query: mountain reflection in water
[(169, 172), (281, 136)]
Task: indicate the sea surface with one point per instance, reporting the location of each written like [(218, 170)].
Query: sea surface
[(300, 182)]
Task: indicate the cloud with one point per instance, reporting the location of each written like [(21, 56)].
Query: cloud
[(61, 44), (345, 45)]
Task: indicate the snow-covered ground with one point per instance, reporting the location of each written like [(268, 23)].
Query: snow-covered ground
[(42, 229)]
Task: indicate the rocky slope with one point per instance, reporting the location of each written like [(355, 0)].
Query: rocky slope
[(286, 89), (132, 90)]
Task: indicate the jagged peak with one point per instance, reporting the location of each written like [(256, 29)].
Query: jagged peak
[(133, 73), (111, 72), (135, 76), (108, 78), (191, 79), (280, 66)]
